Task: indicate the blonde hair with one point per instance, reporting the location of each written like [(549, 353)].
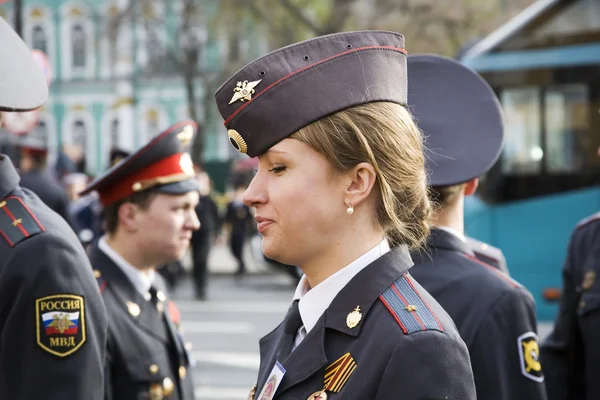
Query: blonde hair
[(384, 135)]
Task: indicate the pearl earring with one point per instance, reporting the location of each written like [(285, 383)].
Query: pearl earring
[(350, 210)]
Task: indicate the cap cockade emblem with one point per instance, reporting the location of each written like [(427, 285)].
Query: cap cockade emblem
[(186, 135), (187, 166), (237, 141), (244, 91)]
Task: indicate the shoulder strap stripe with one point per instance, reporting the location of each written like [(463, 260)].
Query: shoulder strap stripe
[(409, 280), (408, 308), (17, 222), (406, 304), (13, 219), (423, 310), (391, 310), (12, 234), (399, 311), (496, 271), (10, 243)]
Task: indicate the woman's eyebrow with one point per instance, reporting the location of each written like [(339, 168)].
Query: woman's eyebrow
[(277, 151)]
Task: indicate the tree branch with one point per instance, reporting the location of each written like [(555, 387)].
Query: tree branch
[(300, 16)]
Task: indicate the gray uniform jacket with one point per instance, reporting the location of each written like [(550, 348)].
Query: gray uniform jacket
[(494, 315), (404, 346), (52, 318), (571, 353), (146, 357)]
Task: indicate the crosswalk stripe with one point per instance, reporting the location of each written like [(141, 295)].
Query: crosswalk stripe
[(221, 393), (265, 307), (244, 360), (190, 327)]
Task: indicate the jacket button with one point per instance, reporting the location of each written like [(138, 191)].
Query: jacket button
[(153, 369), (182, 372), (168, 386)]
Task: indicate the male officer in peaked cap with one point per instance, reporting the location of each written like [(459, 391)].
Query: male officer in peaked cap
[(52, 320), (462, 123), (149, 199)]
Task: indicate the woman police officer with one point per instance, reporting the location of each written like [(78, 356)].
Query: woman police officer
[(340, 191)]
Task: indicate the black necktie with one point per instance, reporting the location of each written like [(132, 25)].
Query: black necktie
[(293, 322), (156, 300)]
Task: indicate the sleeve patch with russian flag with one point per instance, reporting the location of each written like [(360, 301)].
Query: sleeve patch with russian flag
[(60, 322), (408, 308), (17, 222)]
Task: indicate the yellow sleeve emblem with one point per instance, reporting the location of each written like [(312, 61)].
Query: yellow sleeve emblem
[(60, 323), (529, 356)]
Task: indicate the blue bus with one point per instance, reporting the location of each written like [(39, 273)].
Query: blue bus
[(545, 68)]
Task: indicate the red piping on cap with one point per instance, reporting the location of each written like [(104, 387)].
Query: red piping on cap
[(398, 49)]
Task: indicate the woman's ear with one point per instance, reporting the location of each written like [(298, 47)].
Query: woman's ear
[(360, 182)]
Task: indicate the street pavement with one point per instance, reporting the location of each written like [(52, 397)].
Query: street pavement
[(225, 329)]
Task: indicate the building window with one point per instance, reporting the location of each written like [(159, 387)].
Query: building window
[(39, 40), (80, 134), (114, 133), (152, 118), (78, 46), (40, 133)]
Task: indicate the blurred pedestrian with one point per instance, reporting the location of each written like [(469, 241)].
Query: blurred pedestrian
[(85, 211), (35, 177), (237, 223), (341, 192), (203, 239)]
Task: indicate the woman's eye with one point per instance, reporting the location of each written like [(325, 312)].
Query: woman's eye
[(277, 170)]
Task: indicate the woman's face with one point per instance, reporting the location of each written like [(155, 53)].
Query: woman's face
[(299, 201)]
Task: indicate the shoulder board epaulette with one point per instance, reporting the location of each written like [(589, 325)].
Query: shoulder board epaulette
[(484, 248), (408, 308), (495, 270), (100, 280), (587, 220), (17, 222)]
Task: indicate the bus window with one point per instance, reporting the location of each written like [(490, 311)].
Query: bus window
[(567, 122), (523, 152)]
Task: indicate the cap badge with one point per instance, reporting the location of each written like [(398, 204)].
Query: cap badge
[(186, 135), (237, 141), (354, 318), (244, 91), (186, 164)]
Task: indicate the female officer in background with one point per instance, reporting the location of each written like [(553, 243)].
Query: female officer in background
[(341, 192)]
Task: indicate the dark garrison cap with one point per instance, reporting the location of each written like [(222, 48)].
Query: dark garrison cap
[(162, 165), (22, 83), (459, 115), (287, 89)]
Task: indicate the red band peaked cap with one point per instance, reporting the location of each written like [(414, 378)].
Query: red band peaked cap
[(162, 165)]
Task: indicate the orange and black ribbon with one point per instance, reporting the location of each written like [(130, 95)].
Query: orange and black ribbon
[(338, 373)]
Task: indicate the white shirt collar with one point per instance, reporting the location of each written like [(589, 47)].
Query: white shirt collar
[(454, 232), (314, 302), (141, 280)]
